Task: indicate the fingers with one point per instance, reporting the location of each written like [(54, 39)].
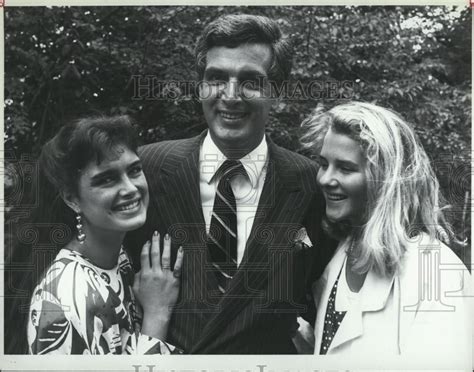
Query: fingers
[(179, 263), (155, 251), (166, 257), (145, 256), (151, 257)]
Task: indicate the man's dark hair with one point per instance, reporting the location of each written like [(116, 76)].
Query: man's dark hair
[(237, 29)]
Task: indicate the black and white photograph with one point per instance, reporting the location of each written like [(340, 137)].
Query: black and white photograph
[(288, 186)]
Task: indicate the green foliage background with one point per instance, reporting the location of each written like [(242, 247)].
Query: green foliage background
[(66, 62)]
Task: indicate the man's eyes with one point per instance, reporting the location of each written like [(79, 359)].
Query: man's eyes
[(252, 83), (216, 78)]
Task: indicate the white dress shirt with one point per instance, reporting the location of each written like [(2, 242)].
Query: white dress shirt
[(247, 189)]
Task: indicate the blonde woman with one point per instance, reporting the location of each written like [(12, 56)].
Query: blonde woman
[(387, 290)]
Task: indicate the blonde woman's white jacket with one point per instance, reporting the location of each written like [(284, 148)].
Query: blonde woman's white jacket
[(422, 312)]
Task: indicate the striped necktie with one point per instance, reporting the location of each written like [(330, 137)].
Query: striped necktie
[(222, 237)]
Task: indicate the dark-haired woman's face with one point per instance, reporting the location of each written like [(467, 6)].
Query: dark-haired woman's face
[(342, 178), (113, 195)]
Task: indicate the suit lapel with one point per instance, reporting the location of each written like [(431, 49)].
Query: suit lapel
[(250, 281), (180, 200), (178, 186)]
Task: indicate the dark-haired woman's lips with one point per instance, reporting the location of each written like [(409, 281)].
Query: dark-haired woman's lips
[(128, 207)]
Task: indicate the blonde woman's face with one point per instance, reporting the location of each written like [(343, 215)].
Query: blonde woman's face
[(342, 178)]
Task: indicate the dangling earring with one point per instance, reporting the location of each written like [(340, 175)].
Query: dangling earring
[(80, 233)]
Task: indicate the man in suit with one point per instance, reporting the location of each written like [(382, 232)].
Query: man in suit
[(236, 201)]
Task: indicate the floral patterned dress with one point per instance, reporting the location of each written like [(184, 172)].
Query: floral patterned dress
[(79, 308)]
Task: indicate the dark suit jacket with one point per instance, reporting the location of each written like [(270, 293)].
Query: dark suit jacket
[(257, 315)]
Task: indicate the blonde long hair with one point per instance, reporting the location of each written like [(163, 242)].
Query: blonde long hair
[(403, 193)]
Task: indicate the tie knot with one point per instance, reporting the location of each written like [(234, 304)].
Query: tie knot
[(230, 168)]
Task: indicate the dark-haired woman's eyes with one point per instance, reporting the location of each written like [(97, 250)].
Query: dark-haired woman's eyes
[(135, 171), (103, 181)]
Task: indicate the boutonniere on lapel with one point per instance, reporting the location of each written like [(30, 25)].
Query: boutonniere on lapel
[(302, 240)]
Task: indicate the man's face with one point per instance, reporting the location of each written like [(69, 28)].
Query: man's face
[(235, 96)]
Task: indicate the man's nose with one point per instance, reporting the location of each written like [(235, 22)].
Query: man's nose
[(231, 90)]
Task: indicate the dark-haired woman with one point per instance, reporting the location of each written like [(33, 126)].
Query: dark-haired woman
[(88, 301)]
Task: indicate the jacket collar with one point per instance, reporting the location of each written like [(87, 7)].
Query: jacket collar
[(373, 296)]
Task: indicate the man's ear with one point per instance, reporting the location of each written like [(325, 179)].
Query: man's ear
[(71, 200)]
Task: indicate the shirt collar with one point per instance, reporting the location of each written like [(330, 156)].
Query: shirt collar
[(211, 158)]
